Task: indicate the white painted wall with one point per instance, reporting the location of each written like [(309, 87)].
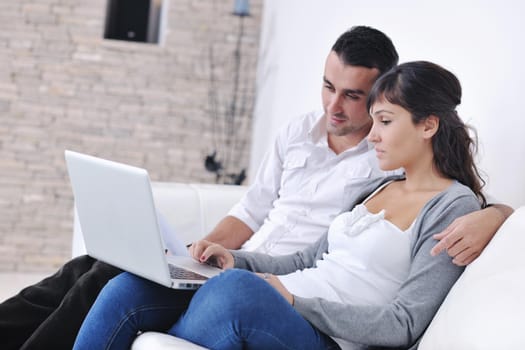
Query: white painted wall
[(482, 42)]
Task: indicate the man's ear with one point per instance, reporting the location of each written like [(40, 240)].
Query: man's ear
[(430, 126)]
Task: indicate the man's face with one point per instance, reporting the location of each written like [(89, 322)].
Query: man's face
[(345, 89)]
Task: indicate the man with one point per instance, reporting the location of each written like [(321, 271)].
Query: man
[(302, 184)]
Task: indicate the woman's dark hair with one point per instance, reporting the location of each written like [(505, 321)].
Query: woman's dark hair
[(367, 47), (424, 89)]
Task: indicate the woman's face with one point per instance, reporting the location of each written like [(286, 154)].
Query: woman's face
[(399, 143)]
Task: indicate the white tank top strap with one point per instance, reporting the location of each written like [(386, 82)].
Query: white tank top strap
[(377, 190)]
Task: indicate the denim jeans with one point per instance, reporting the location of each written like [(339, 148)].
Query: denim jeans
[(235, 310)]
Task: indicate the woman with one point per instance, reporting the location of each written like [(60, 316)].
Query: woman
[(369, 281)]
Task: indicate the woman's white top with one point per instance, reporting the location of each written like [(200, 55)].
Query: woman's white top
[(367, 260)]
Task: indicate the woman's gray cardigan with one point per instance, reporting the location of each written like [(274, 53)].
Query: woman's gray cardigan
[(401, 322)]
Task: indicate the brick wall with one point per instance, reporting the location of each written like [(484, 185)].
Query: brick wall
[(62, 86)]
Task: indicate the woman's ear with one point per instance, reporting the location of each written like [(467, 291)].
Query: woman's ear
[(431, 126)]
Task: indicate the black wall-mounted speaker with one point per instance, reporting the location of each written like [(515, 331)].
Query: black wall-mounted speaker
[(127, 20)]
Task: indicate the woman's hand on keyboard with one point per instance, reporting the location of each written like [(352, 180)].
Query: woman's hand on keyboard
[(212, 253)]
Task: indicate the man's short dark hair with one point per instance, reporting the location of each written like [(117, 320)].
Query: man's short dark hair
[(367, 47)]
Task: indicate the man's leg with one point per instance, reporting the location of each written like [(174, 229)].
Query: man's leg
[(22, 314), (59, 329)]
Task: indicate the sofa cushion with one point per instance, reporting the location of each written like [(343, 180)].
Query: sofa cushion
[(161, 341), (486, 306)]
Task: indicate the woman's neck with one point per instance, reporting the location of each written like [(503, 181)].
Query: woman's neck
[(425, 177)]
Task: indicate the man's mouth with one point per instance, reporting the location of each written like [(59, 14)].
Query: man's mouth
[(338, 119)]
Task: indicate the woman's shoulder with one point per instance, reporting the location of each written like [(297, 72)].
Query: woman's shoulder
[(458, 191), (456, 198), (437, 214)]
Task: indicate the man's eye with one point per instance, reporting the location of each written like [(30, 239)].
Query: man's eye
[(329, 87), (353, 97)]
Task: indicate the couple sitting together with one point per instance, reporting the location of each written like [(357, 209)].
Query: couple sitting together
[(351, 236)]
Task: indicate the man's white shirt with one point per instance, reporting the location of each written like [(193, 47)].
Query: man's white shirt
[(301, 186)]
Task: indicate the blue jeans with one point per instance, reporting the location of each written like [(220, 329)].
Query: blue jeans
[(235, 310)]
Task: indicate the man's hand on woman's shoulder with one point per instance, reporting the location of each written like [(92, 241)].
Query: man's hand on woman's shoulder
[(467, 236)]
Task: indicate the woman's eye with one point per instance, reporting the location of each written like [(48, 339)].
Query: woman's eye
[(385, 122)]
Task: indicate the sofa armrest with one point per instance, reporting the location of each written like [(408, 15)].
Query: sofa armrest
[(191, 210)]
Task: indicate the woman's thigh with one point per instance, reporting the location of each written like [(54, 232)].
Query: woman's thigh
[(126, 305), (239, 310)]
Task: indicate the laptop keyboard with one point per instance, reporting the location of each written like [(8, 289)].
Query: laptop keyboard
[(180, 273)]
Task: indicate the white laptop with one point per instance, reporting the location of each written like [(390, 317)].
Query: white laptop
[(121, 226)]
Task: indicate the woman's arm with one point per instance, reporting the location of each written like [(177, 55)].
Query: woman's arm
[(401, 322), (215, 254), (281, 265)]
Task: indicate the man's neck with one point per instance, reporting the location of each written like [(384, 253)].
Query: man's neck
[(339, 144)]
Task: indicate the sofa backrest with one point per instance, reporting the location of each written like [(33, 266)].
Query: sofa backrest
[(485, 307), (192, 210)]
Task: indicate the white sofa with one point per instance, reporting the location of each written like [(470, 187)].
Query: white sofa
[(483, 310)]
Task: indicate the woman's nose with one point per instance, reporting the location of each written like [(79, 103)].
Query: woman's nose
[(373, 136)]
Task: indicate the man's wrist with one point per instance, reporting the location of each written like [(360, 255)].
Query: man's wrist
[(504, 211)]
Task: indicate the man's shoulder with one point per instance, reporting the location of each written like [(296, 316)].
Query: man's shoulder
[(299, 128), (305, 121)]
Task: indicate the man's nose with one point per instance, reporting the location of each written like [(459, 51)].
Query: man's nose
[(335, 103)]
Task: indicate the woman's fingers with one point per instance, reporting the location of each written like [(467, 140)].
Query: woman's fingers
[(217, 255)]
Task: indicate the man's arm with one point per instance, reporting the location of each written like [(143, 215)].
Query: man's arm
[(230, 232), (247, 216), (467, 236)]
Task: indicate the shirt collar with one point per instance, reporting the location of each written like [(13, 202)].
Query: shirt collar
[(317, 133)]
